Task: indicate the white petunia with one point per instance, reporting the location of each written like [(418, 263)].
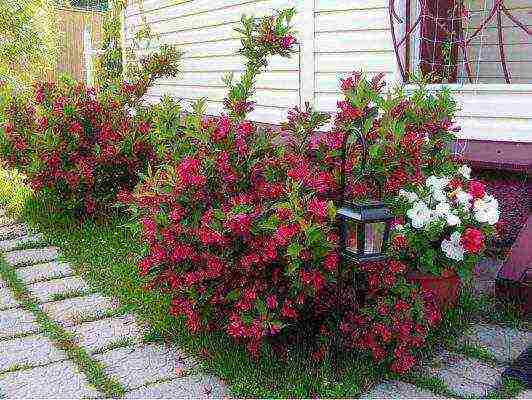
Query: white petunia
[(465, 171), (436, 184), (442, 209), (399, 227), (410, 196), (439, 196), (452, 220), (419, 215), (486, 210), (452, 247), (464, 199)]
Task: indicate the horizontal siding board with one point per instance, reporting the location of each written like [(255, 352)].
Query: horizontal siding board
[(335, 5), (494, 105), (273, 79), (231, 13), (326, 42), (235, 63), (518, 130), (277, 98), (364, 61), (354, 20), (207, 34)]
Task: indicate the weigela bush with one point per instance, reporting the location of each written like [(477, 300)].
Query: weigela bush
[(79, 146), (240, 223)]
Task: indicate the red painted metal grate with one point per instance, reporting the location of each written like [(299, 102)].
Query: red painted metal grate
[(439, 39)]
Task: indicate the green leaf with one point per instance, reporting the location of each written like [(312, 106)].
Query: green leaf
[(294, 249), (233, 295)]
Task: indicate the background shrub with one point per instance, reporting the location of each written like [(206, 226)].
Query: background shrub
[(80, 146)]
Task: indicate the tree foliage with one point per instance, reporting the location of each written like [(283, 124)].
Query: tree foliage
[(28, 40)]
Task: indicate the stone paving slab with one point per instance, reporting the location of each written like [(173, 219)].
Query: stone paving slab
[(95, 335), (12, 244), (57, 380), (6, 221), (136, 366), (45, 291), (465, 376), (16, 321), (187, 387), (506, 344), (39, 272), (19, 258), (6, 298), (69, 312), (13, 231), (30, 350), (398, 390)]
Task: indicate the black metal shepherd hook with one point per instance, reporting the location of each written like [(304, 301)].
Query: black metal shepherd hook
[(362, 221)]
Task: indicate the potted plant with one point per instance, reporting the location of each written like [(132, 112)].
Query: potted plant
[(447, 221)]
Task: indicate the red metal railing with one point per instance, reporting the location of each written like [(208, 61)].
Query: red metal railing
[(459, 40)]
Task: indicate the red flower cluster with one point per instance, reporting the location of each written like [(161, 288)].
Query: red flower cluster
[(472, 240)]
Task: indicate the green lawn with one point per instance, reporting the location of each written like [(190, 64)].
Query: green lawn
[(105, 253)]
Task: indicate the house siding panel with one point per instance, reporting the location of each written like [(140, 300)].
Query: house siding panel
[(337, 37)]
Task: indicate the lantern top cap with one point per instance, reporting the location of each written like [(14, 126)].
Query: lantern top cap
[(369, 211)]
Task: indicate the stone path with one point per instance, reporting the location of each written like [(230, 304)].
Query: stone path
[(31, 366)]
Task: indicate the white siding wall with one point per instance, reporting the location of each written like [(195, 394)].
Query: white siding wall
[(336, 36)]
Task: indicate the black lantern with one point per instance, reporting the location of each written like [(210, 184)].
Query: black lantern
[(364, 231)]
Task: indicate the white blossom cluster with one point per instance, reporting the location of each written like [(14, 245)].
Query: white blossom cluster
[(437, 202)]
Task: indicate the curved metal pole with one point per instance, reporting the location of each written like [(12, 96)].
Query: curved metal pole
[(501, 47), (394, 39)]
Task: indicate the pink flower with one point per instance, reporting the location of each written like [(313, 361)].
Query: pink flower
[(177, 214), (472, 240), (318, 208), (288, 311), (271, 302), (76, 128), (288, 41), (331, 262), (477, 189), (181, 252), (144, 127), (222, 129)]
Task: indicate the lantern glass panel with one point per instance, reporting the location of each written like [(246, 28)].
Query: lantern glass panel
[(352, 239), (374, 237)]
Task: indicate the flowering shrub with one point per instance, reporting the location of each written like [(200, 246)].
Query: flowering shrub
[(240, 224), (448, 220), (80, 146), (394, 322)]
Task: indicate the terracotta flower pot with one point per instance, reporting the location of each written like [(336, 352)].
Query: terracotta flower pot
[(446, 288)]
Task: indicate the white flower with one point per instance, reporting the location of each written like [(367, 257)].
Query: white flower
[(443, 210), (439, 195), (436, 184), (419, 214), (452, 247), (410, 196), (399, 227), (464, 199), (452, 220), (486, 210), (465, 171)]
